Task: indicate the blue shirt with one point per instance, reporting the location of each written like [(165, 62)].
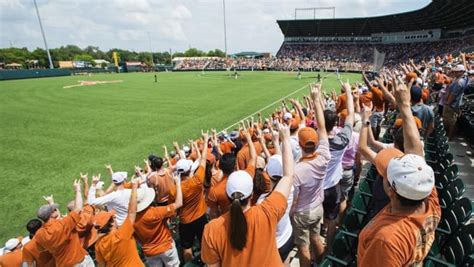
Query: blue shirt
[(456, 90)]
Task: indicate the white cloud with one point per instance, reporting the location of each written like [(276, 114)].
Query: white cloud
[(176, 24)]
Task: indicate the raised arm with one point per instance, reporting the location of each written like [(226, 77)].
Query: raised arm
[(261, 140), (364, 149), (297, 106), (411, 136), (284, 186), (85, 181), (205, 137), (179, 152), (109, 168), (166, 155), (132, 204), (366, 81), (178, 202), (78, 200), (252, 151), (387, 95), (319, 111), (350, 104)]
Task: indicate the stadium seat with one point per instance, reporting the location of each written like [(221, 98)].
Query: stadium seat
[(449, 194), (365, 186), (343, 249), (458, 251)]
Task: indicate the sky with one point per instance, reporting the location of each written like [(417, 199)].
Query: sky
[(160, 25)]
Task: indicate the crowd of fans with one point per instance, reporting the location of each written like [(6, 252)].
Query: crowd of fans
[(316, 56), (249, 197)]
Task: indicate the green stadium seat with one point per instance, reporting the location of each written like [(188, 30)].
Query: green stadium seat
[(459, 248), (343, 249), (365, 186)]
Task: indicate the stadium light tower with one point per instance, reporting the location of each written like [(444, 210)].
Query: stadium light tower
[(225, 30), (51, 66)]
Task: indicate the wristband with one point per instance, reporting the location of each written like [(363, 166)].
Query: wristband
[(366, 122)]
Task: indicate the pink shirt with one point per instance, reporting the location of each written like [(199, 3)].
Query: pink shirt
[(308, 179), (348, 159)]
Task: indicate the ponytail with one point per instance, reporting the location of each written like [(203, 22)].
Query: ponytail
[(238, 223), (208, 175)]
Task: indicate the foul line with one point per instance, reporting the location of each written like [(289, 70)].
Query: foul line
[(264, 108)]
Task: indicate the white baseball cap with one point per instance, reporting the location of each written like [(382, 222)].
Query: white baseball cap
[(419, 81), (239, 181), (11, 244), (186, 149), (459, 67), (407, 174), (183, 165), (119, 177), (275, 166), (287, 116)]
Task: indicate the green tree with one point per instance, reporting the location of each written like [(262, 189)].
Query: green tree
[(193, 52)]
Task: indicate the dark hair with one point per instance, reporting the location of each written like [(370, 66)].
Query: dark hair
[(238, 223), (156, 163), (33, 225), (308, 149), (107, 228), (259, 185), (398, 139), (330, 119), (208, 175), (408, 202), (415, 94), (227, 163), (305, 111)]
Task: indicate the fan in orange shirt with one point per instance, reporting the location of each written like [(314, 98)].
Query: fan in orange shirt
[(160, 179), (115, 245), (33, 254), (193, 212), (217, 199), (152, 231), (12, 256), (59, 236), (246, 236)]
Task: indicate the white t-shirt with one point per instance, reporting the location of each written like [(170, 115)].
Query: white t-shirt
[(284, 228)]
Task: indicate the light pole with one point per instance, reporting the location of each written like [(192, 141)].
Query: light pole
[(225, 30), (44, 38), (151, 52)]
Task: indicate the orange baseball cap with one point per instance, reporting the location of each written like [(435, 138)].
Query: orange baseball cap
[(383, 158), (295, 123), (411, 75), (399, 122), (307, 136), (102, 218)]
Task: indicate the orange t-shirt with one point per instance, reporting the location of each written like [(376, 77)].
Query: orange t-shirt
[(366, 98), (217, 197), (194, 202), (162, 182), (440, 78), (226, 147), (341, 103), (118, 248), (61, 239), (425, 94), (244, 155), (85, 226), (399, 239), (32, 252), (377, 99), (11, 259), (152, 230), (260, 249)]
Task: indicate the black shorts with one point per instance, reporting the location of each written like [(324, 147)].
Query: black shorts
[(332, 198), (285, 250), (189, 231), (436, 87)]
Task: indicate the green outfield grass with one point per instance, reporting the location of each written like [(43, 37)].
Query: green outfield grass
[(50, 134)]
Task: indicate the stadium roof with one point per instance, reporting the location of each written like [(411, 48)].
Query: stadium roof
[(439, 14)]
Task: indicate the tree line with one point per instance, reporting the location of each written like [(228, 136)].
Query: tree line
[(72, 52)]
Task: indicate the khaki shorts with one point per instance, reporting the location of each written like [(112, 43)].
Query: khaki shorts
[(450, 116), (307, 223)]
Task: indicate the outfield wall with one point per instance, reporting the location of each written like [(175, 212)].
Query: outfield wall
[(27, 74)]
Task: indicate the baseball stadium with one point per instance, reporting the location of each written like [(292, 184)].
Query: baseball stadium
[(309, 137)]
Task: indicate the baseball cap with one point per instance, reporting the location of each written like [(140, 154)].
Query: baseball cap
[(411, 75), (470, 72), (234, 135), (440, 69), (407, 174), (239, 181), (119, 177), (145, 197), (399, 122), (459, 67), (183, 165), (12, 243), (45, 211), (415, 93), (287, 116), (419, 81), (186, 149), (102, 218), (275, 166), (306, 136)]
